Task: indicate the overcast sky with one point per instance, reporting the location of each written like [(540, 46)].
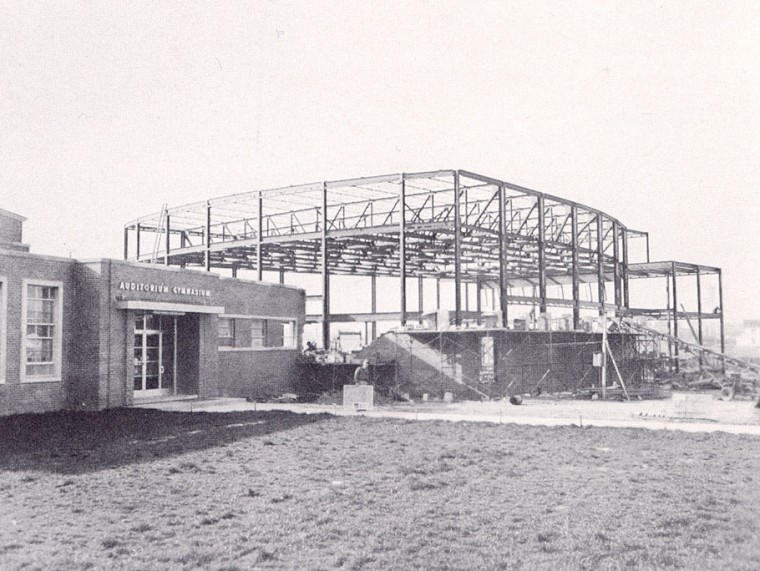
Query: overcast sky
[(649, 111)]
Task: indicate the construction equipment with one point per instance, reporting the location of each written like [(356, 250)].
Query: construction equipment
[(742, 379)]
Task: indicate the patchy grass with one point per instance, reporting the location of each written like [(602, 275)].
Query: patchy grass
[(138, 489)]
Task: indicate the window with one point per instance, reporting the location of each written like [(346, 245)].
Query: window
[(226, 332), (258, 332), (248, 332), (42, 340)]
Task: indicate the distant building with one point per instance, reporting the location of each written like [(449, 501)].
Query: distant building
[(107, 333)]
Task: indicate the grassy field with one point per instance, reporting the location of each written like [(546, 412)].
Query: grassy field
[(140, 489)]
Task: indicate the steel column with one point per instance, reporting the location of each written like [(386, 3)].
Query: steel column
[(420, 293), (647, 235), (325, 275), (503, 258), (616, 265), (541, 255), (670, 323), (260, 238), (402, 249), (600, 262), (168, 241), (207, 251), (373, 304), (626, 297), (457, 255), (576, 279), (699, 313), (675, 315), (722, 329), (126, 243), (137, 240)]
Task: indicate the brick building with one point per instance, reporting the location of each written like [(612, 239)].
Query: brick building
[(108, 333)]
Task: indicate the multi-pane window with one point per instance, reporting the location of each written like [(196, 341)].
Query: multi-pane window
[(42, 330), (256, 333), (226, 332)]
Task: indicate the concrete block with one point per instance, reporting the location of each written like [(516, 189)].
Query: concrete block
[(358, 397)]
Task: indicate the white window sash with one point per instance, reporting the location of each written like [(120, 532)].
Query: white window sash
[(57, 333)]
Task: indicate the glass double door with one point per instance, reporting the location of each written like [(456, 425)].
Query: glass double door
[(155, 355)]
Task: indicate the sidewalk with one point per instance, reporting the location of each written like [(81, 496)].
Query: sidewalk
[(736, 417)]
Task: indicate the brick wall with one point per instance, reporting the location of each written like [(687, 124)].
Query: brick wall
[(16, 396), (10, 228), (257, 374), (97, 336)]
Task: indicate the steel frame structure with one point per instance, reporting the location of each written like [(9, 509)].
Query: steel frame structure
[(457, 225)]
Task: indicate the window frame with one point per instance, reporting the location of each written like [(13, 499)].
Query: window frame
[(231, 337), (57, 375), (293, 321)]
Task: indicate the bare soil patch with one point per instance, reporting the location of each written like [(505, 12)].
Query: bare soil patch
[(142, 489)]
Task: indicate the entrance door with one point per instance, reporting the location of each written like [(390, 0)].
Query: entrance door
[(155, 355)]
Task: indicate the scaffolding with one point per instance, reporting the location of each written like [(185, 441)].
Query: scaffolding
[(497, 363)]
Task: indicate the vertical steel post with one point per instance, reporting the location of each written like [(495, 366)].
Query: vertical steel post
[(137, 240), (437, 294), (282, 275), (168, 240), (260, 238), (373, 304), (503, 284), (402, 250), (174, 359), (699, 314), (670, 323), (420, 293), (126, 243), (616, 265), (325, 275), (207, 251), (647, 235), (626, 296), (541, 255), (234, 271), (600, 262), (722, 329), (457, 255), (576, 278), (604, 354), (675, 315)]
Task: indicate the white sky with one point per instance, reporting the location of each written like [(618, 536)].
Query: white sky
[(649, 111)]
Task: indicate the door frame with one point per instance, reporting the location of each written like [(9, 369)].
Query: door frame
[(143, 334)]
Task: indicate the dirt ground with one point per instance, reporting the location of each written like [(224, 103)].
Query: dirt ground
[(149, 489)]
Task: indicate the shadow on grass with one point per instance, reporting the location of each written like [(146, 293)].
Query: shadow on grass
[(81, 442)]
